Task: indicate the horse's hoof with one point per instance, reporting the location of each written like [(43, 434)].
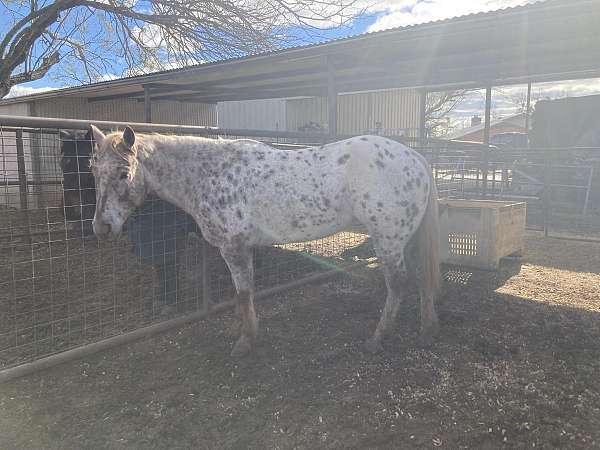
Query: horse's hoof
[(373, 346), (241, 348)]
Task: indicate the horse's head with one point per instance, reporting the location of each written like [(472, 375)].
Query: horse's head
[(120, 186)]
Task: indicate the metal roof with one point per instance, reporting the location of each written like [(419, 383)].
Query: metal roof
[(544, 41)]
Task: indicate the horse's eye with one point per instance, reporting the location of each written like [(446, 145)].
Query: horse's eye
[(123, 175)]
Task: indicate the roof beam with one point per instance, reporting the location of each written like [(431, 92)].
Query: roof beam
[(167, 87)]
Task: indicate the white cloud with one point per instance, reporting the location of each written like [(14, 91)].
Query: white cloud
[(106, 77), (397, 13), (505, 100), (18, 90)]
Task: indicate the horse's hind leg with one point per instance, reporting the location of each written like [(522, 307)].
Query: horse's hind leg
[(395, 280), (239, 261), (429, 320)]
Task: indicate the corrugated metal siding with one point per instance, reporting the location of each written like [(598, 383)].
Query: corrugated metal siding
[(302, 111), (396, 111), (266, 114), (17, 109), (127, 110), (355, 113)]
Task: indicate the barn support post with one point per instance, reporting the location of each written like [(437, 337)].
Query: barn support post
[(423, 118), (528, 107), (147, 105), (486, 139), (332, 104)]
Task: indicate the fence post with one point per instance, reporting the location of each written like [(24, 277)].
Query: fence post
[(332, 100), (486, 139), (147, 105), (22, 171), (23, 182)]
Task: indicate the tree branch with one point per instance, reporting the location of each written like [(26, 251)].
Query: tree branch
[(172, 31)]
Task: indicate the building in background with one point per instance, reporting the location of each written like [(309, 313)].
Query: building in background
[(474, 133), (392, 111)]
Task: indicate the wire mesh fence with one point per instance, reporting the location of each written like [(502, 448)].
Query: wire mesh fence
[(561, 186), (61, 288)]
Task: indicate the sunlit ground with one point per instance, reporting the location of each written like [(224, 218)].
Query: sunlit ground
[(555, 287)]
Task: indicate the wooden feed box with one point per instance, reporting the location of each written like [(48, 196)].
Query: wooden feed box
[(478, 233)]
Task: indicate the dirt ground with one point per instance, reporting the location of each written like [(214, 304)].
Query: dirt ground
[(517, 365)]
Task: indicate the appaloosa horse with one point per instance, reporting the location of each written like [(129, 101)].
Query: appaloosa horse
[(244, 194)]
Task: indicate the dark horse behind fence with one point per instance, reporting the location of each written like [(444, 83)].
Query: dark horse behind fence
[(158, 230), (244, 194), (79, 193)]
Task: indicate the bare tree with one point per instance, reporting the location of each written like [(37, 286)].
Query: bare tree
[(90, 40), (437, 108), (518, 98)]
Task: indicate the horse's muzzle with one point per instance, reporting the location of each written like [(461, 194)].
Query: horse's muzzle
[(101, 230)]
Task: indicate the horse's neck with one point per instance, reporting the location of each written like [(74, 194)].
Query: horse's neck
[(167, 175)]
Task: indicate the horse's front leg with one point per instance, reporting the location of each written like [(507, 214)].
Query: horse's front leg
[(239, 261)]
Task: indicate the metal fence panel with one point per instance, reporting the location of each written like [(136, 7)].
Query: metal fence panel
[(61, 288)]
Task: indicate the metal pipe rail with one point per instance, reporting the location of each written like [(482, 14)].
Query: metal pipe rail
[(151, 330), (76, 124)]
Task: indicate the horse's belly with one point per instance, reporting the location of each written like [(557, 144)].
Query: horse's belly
[(283, 229)]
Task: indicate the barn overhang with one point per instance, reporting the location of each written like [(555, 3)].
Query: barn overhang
[(546, 41)]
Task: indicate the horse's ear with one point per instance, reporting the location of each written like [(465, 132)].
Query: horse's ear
[(97, 135), (128, 137)]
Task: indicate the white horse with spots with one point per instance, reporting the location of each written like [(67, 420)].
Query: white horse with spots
[(243, 194)]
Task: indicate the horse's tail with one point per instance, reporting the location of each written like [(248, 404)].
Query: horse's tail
[(428, 248)]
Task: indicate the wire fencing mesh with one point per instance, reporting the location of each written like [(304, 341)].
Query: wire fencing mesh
[(61, 288), (560, 186)]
